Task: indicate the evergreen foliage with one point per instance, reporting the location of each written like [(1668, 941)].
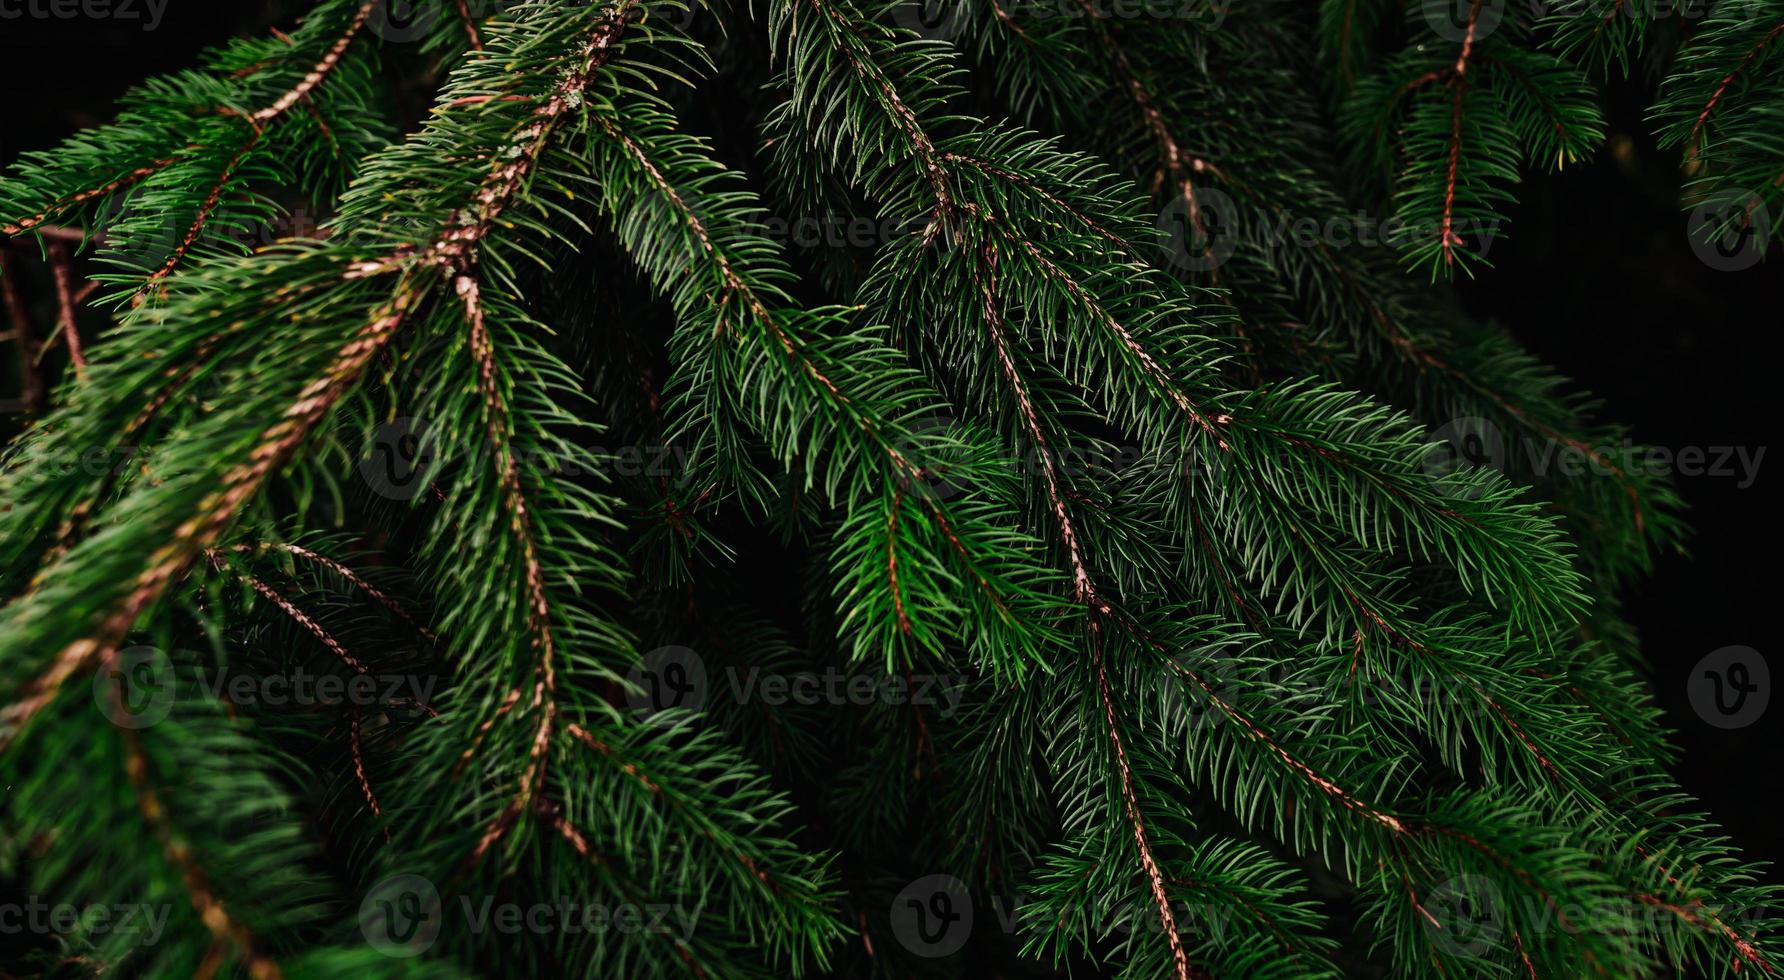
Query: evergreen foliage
[(1247, 671)]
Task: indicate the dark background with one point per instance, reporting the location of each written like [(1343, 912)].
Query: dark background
[(1596, 275), (1594, 272)]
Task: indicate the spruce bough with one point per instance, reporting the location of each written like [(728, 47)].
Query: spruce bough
[(1187, 645)]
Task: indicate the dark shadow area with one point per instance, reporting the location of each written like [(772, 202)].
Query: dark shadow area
[(1596, 273)]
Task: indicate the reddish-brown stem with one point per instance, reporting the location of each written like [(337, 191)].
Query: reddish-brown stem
[(992, 314), (1220, 567), (483, 730), (1743, 947), (1517, 942), (1016, 179), (1727, 80), (601, 748), (1149, 365), (272, 111), (734, 285), (356, 747), (464, 14), (1086, 593), (555, 819), (1425, 359), (217, 510), (323, 67), (1131, 803), (258, 120), (378, 595), (1537, 95), (77, 199), (655, 789), (481, 99), (202, 217), (902, 116), (298, 616), (1449, 239), (1344, 797), (178, 852), (1177, 163), (496, 420), (24, 334), (62, 270), (904, 623), (578, 842)]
